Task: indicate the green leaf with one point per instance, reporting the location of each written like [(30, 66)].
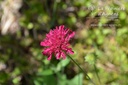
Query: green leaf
[(3, 77), (50, 80), (45, 72), (82, 13), (16, 80), (90, 58), (62, 80), (122, 15), (62, 64), (77, 80)]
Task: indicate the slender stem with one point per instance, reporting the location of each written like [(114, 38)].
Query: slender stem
[(97, 74), (81, 69)]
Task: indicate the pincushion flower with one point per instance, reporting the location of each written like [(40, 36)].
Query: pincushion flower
[(57, 42)]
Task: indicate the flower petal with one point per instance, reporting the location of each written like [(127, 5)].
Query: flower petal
[(47, 51), (61, 27), (57, 42), (71, 35), (58, 55), (44, 43), (70, 51), (49, 57), (63, 55)]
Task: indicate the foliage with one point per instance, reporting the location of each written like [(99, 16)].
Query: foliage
[(100, 50)]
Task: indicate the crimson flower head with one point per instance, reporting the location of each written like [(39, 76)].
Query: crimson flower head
[(57, 42)]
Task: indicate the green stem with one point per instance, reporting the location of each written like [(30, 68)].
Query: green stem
[(81, 69), (97, 74)]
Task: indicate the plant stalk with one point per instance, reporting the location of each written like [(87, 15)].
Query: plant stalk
[(81, 69)]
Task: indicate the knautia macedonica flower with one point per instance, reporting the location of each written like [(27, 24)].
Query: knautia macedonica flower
[(57, 42)]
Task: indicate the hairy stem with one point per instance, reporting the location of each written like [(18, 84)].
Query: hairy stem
[(81, 69)]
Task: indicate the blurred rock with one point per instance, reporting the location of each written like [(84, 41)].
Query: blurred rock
[(10, 16)]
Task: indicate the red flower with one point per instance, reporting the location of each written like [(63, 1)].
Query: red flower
[(57, 42)]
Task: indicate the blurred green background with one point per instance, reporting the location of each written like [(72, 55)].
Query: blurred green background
[(100, 43)]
